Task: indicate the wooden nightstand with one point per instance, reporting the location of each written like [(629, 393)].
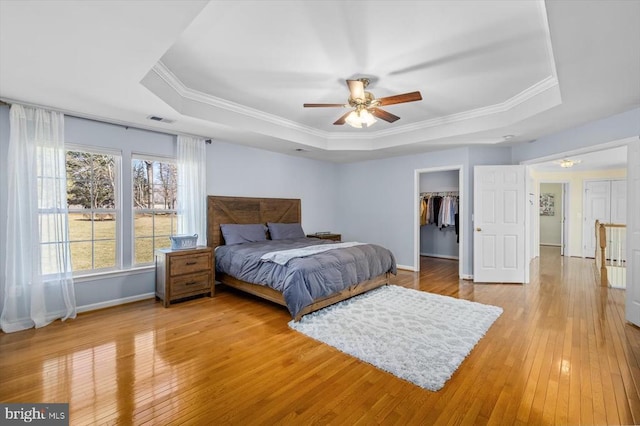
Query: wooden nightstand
[(183, 273), (334, 237)]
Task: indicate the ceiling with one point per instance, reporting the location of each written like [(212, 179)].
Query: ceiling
[(606, 159), (490, 72)]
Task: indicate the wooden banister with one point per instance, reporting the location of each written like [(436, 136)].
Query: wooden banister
[(610, 257), (601, 239)]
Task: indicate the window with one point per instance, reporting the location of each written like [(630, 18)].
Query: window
[(94, 212), (154, 205)]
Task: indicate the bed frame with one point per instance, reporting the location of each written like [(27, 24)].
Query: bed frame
[(244, 210)]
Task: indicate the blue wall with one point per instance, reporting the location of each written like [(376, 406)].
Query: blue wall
[(369, 201), (231, 170)]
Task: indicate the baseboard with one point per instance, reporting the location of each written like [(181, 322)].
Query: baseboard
[(441, 256), (115, 302), (466, 277), (550, 244), (407, 268)]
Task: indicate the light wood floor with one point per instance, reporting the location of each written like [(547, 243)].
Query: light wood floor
[(561, 353)]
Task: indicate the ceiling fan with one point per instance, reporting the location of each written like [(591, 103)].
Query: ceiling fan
[(365, 105)]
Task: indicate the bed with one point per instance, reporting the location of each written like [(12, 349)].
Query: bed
[(334, 275)]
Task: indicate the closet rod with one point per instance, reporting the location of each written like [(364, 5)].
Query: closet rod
[(440, 194)]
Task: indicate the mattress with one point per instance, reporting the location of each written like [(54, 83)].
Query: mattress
[(304, 280)]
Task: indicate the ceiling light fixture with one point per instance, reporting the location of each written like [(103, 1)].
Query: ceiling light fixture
[(566, 163), (360, 117)]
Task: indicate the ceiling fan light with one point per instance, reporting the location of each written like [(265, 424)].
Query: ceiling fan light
[(367, 118), (353, 120), (360, 118)]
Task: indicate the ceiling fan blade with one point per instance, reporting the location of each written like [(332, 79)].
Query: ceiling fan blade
[(383, 115), (323, 105), (399, 99), (342, 119), (356, 87)]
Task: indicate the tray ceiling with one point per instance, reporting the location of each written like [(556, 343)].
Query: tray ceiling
[(490, 72)]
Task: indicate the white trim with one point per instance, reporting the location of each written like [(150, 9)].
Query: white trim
[(112, 274), (440, 256), (114, 302), (566, 211), (407, 268), (141, 156), (92, 149), (585, 150), (117, 155), (185, 92), (103, 119), (467, 277)]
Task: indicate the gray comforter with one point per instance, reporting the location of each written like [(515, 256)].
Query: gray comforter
[(306, 279)]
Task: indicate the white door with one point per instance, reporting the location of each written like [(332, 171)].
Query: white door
[(597, 206), (563, 220), (499, 224), (619, 202), (633, 233)]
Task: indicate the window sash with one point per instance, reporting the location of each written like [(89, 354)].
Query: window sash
[(98, 245), (153, 238)]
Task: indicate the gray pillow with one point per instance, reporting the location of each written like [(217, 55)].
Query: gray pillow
[(283, 231), (247, 233)]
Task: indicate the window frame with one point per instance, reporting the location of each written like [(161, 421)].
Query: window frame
[(117, 156), (140, 156)]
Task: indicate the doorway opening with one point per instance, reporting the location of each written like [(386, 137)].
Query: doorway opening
[(431, 239), (554, 215)]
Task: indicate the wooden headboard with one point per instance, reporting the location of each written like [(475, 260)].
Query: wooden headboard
[(244, 210)]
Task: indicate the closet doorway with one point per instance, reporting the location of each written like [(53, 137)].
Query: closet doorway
[(434, 239)]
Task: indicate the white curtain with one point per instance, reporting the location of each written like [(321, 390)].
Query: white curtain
[(192, 191), (38, 285)]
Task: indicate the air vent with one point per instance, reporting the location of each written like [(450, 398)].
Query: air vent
[(156, 118)]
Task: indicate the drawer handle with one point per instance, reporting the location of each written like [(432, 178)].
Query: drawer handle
[(191, 263), (191, 283)]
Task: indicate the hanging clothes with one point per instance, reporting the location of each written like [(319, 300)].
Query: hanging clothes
[(423, 211), (440, 209)]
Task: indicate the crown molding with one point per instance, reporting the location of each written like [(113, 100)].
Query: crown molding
[(186, 92), (527, 94)]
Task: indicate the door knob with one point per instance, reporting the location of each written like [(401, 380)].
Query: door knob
[(478, 229)]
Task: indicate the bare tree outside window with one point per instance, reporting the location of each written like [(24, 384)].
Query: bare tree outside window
[(154, 203), (93, 213)]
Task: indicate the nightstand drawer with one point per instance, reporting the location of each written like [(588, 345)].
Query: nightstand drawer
[(190, 283), (183, 273), (187, 264)]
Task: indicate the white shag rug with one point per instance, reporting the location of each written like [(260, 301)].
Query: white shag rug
[(417, 336)]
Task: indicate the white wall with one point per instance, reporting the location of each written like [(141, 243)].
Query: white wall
[(551, 226)]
